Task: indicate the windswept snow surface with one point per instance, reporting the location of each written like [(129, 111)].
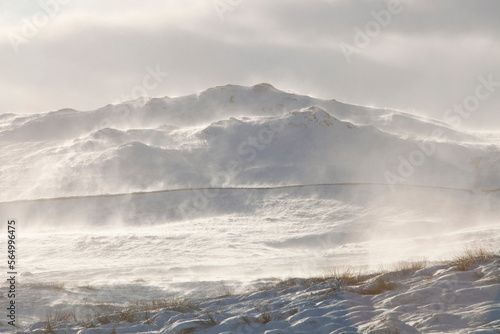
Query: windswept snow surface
[(437, 299), (222, 189)]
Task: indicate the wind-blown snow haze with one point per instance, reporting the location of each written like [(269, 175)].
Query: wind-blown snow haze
[(237, 166)]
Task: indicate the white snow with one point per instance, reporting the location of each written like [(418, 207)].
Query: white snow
[(438, 299), (113, 233)]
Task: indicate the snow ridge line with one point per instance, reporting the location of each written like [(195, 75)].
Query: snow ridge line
[(139, 193)]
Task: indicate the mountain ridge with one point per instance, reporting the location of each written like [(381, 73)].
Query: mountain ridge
[(258, 138)]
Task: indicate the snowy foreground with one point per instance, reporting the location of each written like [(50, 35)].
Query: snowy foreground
[(434, 299)]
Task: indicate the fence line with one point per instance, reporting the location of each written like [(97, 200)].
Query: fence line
[(343, 184)]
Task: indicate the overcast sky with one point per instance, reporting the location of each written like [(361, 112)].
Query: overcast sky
[(420, 56)]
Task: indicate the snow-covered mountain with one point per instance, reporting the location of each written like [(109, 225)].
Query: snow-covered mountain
[(233, 136), (176, 195)]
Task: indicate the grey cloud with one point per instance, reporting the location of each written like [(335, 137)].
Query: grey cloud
[(428, 58)]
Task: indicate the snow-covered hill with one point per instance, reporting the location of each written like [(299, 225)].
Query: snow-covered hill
[(233, 136), (179, 195)]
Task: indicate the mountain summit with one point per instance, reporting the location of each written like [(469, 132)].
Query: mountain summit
[(254, 135)]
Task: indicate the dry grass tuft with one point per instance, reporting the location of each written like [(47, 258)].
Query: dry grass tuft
[(189, 330), (346, 276), (127, 315), (226, 291), (380, 285), (285, 283), (139, 310), (265, 317), (265, 313), (412, 265), (182, 305), (57, 316), (209, 321), (60, 315), (104, 320), (48, 327), (223, 291), (471, 256)]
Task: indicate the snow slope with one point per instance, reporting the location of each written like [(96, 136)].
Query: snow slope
[(435, 299), (180, 196)]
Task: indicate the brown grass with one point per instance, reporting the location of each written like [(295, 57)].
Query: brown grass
[(412, 265), (182, 305), (104, 320), (57, 316), (209, 321), (349, 277), (48, 327), (189, 330), (471, 256), (131, 313), (380, 285), (265, 317), (225, 291), (284, 283), (346, 276), (60, 315), (127, 315)]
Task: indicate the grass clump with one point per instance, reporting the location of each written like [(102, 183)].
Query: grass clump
[(346, 276), (182, 305), (57, 316), (285, 283), (471, 256), (225, 291), (341, 276), (60, 315), (127, 315), (412, 265), (104, 320), (209, 320), (265, 314), (265, 317), (378, 286)]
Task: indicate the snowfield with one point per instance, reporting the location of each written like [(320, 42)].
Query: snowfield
[(436, 299), (150, 210)]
